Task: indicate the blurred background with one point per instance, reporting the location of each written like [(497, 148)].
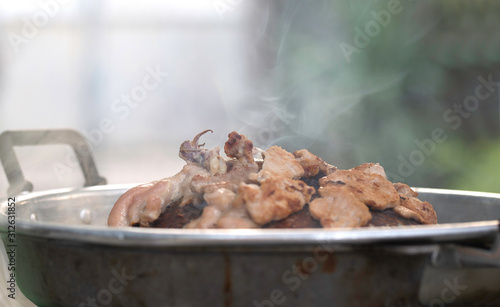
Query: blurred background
[(413, 85)]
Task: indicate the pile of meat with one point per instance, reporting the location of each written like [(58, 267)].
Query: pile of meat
[(270, 189)]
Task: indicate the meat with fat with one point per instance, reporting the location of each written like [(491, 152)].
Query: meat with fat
[(279, 162), (405, 190), (312, 164), (144, 204), (255, 188), (371, 168), (370, 188), (222, 212), (338, 207), (413, 208), (275, 198)]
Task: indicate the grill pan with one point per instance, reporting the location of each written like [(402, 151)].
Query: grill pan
[(67, 256)]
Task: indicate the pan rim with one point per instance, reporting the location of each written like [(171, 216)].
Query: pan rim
[(131, 236)]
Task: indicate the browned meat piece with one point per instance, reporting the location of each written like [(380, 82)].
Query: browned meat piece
[(222, 212), (338, 207), (312, 164), (236, 218), (256, 188), (144, 203), (371, 168), (217, 201), (275, 199), (372, 189), (176, 216), (405, 190), (239, 147), (279, 162), (303, 219), (414, 208)]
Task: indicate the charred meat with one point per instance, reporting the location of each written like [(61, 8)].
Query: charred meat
[(273, 188)]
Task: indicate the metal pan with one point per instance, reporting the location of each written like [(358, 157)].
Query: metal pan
[(66, 256)]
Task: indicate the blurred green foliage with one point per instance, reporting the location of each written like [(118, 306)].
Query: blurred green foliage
[(375, 105), (475, 168)]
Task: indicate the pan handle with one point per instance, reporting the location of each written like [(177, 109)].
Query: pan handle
[(468, 257), (10, 163)]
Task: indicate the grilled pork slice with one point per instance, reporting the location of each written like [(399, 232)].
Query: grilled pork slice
[(178, 216), (338, 207), (341, 214), (413, 208), (279, 162), (205, 169), (312, 164), (404, 190), (269, 189), (275, 198), (222, 212), (370, 188), (144, 204), (371, 168)]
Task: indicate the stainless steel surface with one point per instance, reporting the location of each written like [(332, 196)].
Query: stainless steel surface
[(81, 214), (67, 255)]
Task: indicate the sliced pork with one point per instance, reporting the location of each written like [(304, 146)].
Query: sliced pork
[(338, 207), (252, 188)]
